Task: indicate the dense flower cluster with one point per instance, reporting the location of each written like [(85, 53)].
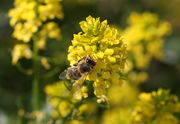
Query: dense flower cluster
[(106, 46), (63, 105), (145, 34), (29, 15), (58, 97), (31, 19), (156, 107)]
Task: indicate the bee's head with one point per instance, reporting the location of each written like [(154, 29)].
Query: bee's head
[(90, 61)]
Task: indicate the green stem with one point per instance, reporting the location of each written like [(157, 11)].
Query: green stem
[(35, 83)]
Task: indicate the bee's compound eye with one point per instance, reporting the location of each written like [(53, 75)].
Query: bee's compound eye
[(91, 62)]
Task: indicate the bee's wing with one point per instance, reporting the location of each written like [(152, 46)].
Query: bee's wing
[(62, 75)]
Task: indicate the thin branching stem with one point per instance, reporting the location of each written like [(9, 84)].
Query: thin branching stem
[(35, 82)]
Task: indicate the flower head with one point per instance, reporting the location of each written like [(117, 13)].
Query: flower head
[(63, 105), (156, 107), (107, 48), (32, 20), (59, 98), (29, 15), (145, 33)]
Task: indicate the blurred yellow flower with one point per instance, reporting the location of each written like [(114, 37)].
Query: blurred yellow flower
[(87, 109), (137, 77), (156, 107), (116, 116), (60, 99), (45, 63), (29, 15), (21, 51), (79, 91), (64, 108), (32, 20), (145, 38), (57, 89), (49, 30), (50, 9), (63, 105), (119, 95), (25, 31)]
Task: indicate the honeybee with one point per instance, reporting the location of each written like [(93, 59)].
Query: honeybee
[(83, 67)]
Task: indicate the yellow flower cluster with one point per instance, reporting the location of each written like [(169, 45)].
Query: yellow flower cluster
[(145, 34), (49, 30), (63, 105), (156, 108), (106, 46), (119, 95), (29, 15), (122, 99), (116, 116), (29, 19), (58, 97)]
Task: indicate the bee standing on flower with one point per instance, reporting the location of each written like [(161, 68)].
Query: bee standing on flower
[(107, 46), (83, 67)]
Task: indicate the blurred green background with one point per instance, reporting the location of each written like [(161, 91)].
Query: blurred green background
[(15, 87)]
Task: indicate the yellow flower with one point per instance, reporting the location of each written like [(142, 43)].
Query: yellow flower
[(145, 96), (24, 10), (49, 9), (79, 91), (145, 34), (49, 30), (25, 31), (62, 104), (32, 20), (28, 16), (116, 116), (137, 77), (57, 89), (156, 107), (87, 109), (106, 46), (21, 51), (45, 63), (119, 95), (64, 108), (167, 119), (60, 99)]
